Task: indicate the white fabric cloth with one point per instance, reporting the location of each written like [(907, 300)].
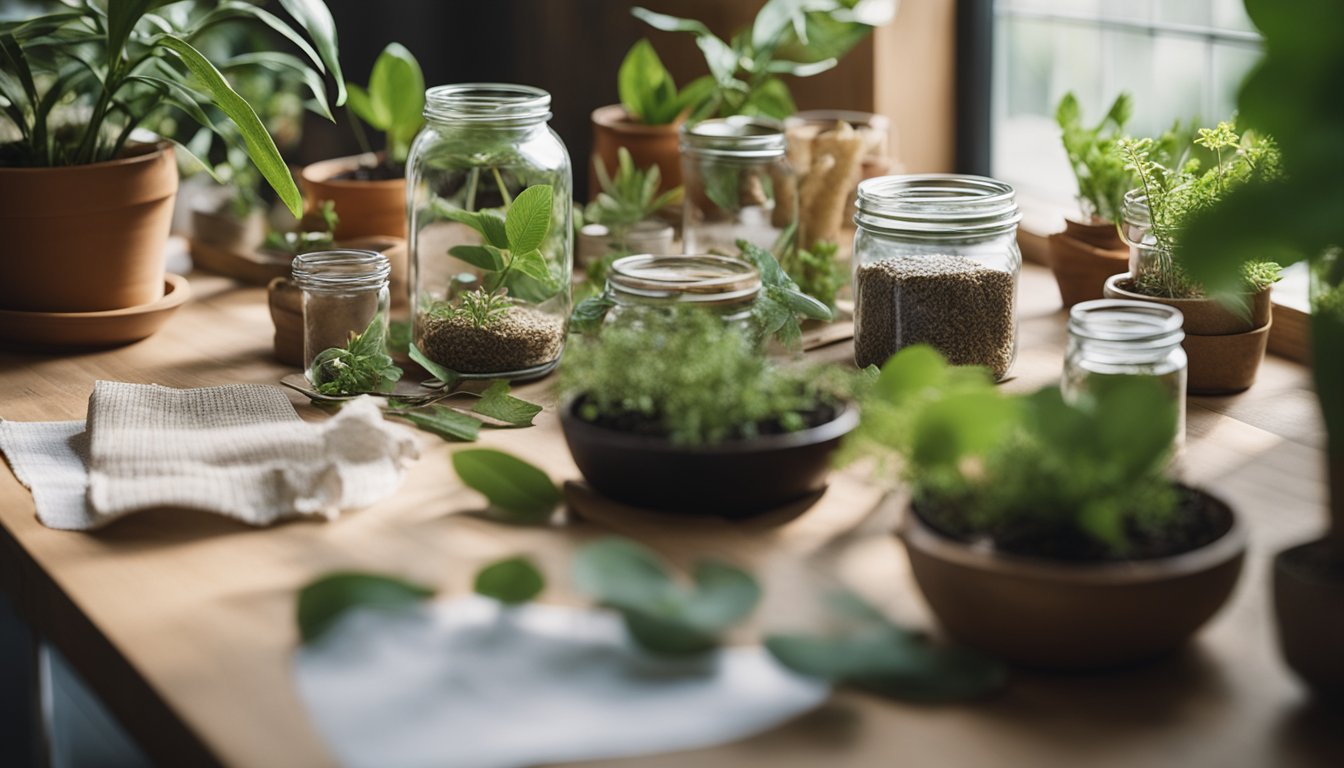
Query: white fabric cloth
[(240, 451), (468, 683)]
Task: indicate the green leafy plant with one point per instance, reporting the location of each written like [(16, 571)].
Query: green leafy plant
[(781, 301), (1031, 473), (1292, 94), (788, 37), (698, 381), (648, 92), (325, 600), (816, 271), (628, 198), (363, 365), (1102, 177), (304, 240), (517, 491), (394, 102), (509, 254), (1175, 195), (511, 581), (135, 64), (478, 308), (662, 615)]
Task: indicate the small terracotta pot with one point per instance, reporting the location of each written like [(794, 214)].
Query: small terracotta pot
[(1067, 615), (732, 479), (1225, 348), (1309, 612), (1083, 256), (366, 208), (228, 232), (648, 145), (87, 238)]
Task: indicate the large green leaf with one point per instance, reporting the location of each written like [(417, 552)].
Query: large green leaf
[(328, 598), (122, 16), (646, 88), (234, 9), (511, 581), (518, 489), (397, 90), (275, 59), (260, 146), (444, 422), (484, 257), (314, 17), (496, 403), (529, 219)]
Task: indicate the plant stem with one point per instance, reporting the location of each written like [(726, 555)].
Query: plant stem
[(503, 190), (360, 137), (473, 180)]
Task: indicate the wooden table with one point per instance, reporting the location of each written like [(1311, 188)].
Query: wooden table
[(183, 622)]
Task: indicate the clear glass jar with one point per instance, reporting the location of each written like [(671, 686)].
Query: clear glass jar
[(344, 292), (1152, 271), (479, 308), (936, 262), (738, 185), (726, 286), (1116, 337)]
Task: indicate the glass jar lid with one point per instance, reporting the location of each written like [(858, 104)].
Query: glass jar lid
[(739, 136), (1123, 321), (500, 104), (701, 279), (937, 204), (340, 270)]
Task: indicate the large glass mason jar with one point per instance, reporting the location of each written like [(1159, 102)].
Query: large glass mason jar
[(490, 198), (936, 262), (738, 185)]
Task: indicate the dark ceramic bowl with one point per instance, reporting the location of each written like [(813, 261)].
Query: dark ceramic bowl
[(732, 479)]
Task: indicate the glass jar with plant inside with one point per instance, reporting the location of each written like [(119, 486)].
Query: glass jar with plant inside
[(491, 239), (738, 185), (1225, 344)]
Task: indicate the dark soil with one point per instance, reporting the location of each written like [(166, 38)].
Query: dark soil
[(1315, 561), (372, 173), (1199, 520), (651, 426)]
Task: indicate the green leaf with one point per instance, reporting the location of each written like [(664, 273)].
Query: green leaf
[(359, 102), (399, 337), (448, 376), (316, 20), (646, 89), (770, 98), (800, 68), (492, 229), (273, 59), (805, 305), (911, 371), (589, 314), (532, 264), (397, 90), (529, 219), (518, 489), (959, 425), (622, 574), (511, 581), (328, 598), (444, 422), (260, 146), (498, 404), (484, 257)]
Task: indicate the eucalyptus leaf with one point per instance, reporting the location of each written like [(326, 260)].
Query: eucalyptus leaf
[(498, 404), (510, 581), (322, 602), (519, 491)]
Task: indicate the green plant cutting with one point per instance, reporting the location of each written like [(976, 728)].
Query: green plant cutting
[(648, 92), (361, 366), (305, 240), (799, 38), (782, 301), (509, 254), (135, 64), (629, 197), (1031, 474), (393, 103), (518, 492), (1174, 195), (817, 271)]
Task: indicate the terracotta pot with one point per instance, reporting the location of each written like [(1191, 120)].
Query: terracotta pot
[(366, 208), (1069, 615), (225, 231), (1083, 256), (733, 479), (648, 145), (1224, 348), (87, 238), (1309, 609)]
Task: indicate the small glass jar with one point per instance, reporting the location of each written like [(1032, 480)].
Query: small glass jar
[(478, 308), (344, 292), (738, 185), (726, 286), (1152, 270), (936, 262), (1116, 337)]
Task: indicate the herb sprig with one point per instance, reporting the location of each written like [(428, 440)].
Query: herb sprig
[(361, 366)]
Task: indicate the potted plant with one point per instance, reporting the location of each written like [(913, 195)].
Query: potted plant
[(1290, 93), (86, 209), (621, 220), (369, 189), (1225, 343), (1046, 532), (678, 411)]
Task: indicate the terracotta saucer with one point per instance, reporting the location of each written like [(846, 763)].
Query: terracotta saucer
[(107, 328)]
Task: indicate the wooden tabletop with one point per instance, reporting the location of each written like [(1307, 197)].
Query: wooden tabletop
[(183, 622)]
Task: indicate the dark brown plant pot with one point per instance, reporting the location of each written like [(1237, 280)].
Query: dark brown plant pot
[(1225, 348), (648, 145), (87, 238), (365, 208), (1309, 609), (1073, 615), (1083, 256), (732, 479)]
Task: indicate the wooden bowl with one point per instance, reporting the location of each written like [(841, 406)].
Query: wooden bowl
[(111, 327)]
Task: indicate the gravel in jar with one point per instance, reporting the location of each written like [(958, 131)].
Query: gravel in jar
[(523, 338), (964, 310)]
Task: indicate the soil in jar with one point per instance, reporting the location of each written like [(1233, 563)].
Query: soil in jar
[(522, 338), (964, 310)]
